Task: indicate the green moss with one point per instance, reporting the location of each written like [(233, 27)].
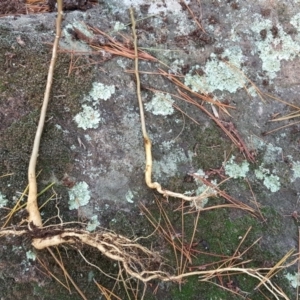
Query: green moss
[(209, 146), (23, 77), (17, 143), (220, 232)]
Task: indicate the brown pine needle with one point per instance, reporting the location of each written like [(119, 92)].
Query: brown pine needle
[(106, 292), (117, 48), (281, 127), (275, 269), (174, 79), (233, 135), (53, 276), (15, 209), (193, 15), (67, 274)]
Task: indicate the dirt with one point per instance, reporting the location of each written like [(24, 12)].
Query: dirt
[(230, 38)]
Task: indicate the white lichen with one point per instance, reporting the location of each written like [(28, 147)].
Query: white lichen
[(167, 166), (166, 145), (261, 172), (271, 153), (30, 255), (92, 224), (202, 190), (270, 181), (296, 170), (295, 21), (235, 170), (88, 117), (3, 200), (293, 279), (119, 26), (176, 65), (160, 104), (272, 49), (206, 192), (157, 6), (129, 196), (101, 91), (219, 75), (79, 195), (201, 173)]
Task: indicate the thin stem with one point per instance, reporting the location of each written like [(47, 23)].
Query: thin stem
[(147, 141), (32, 206)]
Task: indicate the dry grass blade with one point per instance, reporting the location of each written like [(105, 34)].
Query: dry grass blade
[(281, 127), (52, 275), (225, 267), (297, 108), (236, 203), (166, 230), (228, 129), (292, 115), (109, 295), (182, 2), (127, 284), (15, 209), (287, 117), (115, 47), (236, 69), (204, 98), (275, 269), (66, 274), (257, 205)]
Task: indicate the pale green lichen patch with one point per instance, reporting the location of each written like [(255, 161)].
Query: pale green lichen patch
[(271, 153), (293, 279), (272, 49), (3, 200), (101, 91), (79, 195), (30, 255), (129, 196), (296, 170), (270, 181), (92, 224), (202, 190), (174, 156), (87, 118), (160, 104), (235, 170), (219, 75), (119, 26), (206, 192), (295, 21)]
